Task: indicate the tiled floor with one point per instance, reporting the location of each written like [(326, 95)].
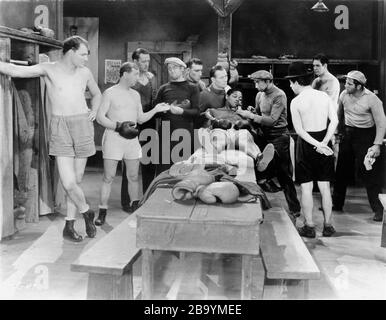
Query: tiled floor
[(35, 264)]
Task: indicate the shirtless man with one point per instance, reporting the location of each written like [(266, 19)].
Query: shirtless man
[(310, 111), (325, 81), (120, 141), (146, 87), (71, 128)]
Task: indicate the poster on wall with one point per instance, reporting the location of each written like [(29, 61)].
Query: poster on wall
[(112, 70)]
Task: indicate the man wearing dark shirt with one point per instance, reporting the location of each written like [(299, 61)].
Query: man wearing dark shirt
[(271, 115), (194, 73), (184, 100)]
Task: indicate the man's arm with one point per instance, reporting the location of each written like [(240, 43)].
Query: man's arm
[(332, 115), (380, 125), (102, 111), (96, 95), (194, 110), (14, 71)]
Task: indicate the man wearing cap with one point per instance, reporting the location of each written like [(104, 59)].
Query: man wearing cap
[(362, 132), (194, 73), (311, 109), (271, 116), (183, 99)]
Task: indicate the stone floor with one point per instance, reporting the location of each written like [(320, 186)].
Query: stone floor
[(35, 262)]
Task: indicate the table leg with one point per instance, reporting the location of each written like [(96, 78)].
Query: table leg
[(147, 274), (252, 277)]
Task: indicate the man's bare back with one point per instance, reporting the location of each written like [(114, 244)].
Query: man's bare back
[(313, 108)]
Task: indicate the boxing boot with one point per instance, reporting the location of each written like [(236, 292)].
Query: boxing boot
[(263, 162), (89, 222), (101, 217), (69, 232)]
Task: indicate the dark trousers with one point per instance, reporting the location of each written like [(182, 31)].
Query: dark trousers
[(148, 170), (281, 167), (352, 150)]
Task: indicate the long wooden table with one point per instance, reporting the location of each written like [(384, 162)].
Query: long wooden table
[(193, 226)]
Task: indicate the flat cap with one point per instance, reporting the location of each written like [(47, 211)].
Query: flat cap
[(176, 61), (261, 75), (356, 75)]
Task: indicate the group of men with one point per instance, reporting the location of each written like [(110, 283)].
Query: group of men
[(133, 109)]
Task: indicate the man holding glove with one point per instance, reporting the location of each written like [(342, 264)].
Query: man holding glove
[(119, 113)]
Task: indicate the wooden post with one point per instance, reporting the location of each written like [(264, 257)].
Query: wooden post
[(224, 42), (382, 198), (147, 274), (6, 147)]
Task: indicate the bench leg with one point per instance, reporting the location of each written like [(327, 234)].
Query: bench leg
[(383, 236), (252, 277), (147, 274), (280, 289), (110, 287)]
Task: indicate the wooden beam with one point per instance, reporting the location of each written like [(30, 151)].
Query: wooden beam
[(6, 147), (225, 8), (224, 41), (381, 49)]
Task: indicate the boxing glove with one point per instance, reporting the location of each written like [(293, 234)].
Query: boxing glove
[(186, 188), (224, 191), (127, 129), (242, 124), (221, 124)]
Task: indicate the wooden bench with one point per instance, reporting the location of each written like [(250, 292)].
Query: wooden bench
[(382, 198), (109, 263), (288, 263)]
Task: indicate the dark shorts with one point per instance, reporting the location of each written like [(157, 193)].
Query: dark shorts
[(71, 136), (311, 165)]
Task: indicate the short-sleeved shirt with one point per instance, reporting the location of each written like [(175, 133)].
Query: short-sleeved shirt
[(357, 111)]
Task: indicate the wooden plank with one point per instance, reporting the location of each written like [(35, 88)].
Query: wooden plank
[(284, 253), (110, 287), (113, 254), (382, 198), (306, 61), (147, 274), (198, 237), (162, 205), (6, 148), (34, 38), (235, 214), (252, 277)]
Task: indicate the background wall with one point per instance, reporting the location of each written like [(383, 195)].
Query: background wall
[(149, 20), (275, 27)]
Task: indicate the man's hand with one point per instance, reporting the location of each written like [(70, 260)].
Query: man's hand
[(162, 107), (92, 115), (323, 148), (208, 115), (375, 150), (245, 114), (175, 108)]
